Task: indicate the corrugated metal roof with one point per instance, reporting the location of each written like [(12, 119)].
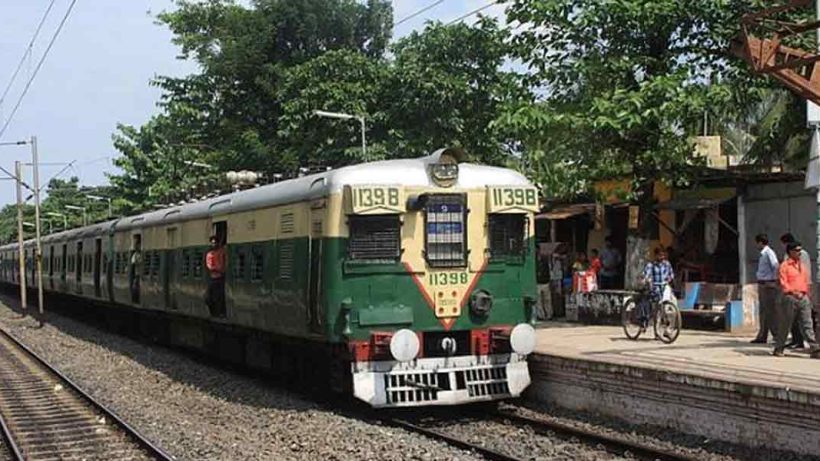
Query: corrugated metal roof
[(567, 211)]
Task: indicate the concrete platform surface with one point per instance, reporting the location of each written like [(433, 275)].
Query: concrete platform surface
[(712, 355), (714, 385)]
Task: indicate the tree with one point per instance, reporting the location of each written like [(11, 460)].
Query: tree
[(622, 80), (266, 69), (340, 81), (58, 194), (769, 132), (246, 56), (447, 86), (228, 115), (8, 222), (156, 164)]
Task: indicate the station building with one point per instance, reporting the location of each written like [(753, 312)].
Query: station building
[(709, 227)]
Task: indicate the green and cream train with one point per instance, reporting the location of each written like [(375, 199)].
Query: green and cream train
[(404, 282)]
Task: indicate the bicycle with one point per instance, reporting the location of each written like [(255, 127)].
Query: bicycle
[(664, 315)]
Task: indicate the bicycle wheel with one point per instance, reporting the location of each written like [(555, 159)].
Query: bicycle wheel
[(667, 322), (630, 319)]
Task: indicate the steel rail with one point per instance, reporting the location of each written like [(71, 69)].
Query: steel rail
[(151, 449), (8, 441), (613, 444), (487, 453)]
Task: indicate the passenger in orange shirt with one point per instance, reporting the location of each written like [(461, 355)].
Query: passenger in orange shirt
[(795, 285), (215, 264), (595, 263)]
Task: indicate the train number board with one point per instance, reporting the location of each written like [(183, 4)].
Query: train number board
[(375, 199), (512, 199)]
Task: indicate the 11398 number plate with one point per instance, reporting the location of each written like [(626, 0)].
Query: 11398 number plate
[(507, 198)]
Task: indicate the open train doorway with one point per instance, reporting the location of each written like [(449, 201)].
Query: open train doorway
[(168, 272), (135, 268), (64, 264), (97, 265), (216, 265), (78, 268), (51, 261), (315, 275)]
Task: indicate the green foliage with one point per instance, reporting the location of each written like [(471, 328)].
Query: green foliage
[(622, 80), (446, 88), (338, 81), (266, 69), (614, 88), (58, 194), (769, 132)]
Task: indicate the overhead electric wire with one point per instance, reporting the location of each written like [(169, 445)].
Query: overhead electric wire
[(418, 12), (27, 52), (475, 11), (39, 65)]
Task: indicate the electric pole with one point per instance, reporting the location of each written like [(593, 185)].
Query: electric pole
[(38, 257), (21, 252)]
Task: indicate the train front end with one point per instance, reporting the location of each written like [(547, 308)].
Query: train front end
[(437, 285)]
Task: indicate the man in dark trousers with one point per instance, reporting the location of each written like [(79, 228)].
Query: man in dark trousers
[(215, 264), (805, 259), (767, 280), (796, 306)]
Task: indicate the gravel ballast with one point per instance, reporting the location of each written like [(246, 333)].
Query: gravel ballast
[(195, 411), (694, 446), (522, 442)]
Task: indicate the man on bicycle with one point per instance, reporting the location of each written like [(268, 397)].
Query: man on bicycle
[(656, 274)]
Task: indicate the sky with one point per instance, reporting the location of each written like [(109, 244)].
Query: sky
[(98, 72)]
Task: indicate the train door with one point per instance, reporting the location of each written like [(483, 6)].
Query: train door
[(135, 267), (51, 267), (315, 273), (109, 268), (169, 268), (78, 266), (217, 301), (97, 265), (33, 268), (64, 264)]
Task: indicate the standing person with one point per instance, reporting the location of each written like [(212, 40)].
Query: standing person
[(134, 268), (581, 264), (215, 264), (767, 276), (611, 263), (595, 264), (797, 335), (796, 304)]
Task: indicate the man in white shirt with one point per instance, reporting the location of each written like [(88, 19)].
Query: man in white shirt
[(767, 267)]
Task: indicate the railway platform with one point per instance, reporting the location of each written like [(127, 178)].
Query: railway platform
[(710, 384)]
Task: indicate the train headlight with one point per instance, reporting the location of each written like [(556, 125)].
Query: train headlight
[(445, 171), (404, 345), (522, 339)]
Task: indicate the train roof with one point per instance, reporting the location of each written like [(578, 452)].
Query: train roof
[(402, 172)]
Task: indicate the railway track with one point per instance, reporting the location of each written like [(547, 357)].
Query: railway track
[(612, 444), (45, 416), (487, 453)]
